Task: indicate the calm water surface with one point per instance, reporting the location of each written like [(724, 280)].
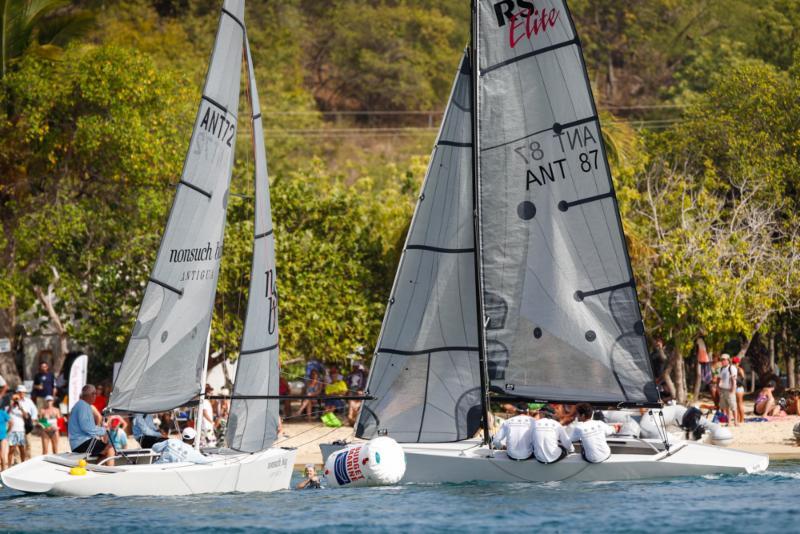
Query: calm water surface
[(768, 502)]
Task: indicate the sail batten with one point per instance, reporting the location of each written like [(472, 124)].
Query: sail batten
[(253, 422), (164, 360)]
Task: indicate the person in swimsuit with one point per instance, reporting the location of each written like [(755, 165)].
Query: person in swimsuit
[(48, 418), (739, 390), (765, 404)]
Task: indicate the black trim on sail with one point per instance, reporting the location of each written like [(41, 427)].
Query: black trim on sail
[(218, 105), (256, 116), (457, 144), (265, 234), (440, 249), (426, 351), (534, 53), (167, 286), (195, 188)]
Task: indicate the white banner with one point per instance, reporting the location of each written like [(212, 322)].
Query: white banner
[(77, 379)]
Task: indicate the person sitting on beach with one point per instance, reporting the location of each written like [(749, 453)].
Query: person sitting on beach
[(84, 434), (550, 441), (792, 402), (179, 450), (765, 404), (515, 435), (145, 430), (312, 480), (592, 435)]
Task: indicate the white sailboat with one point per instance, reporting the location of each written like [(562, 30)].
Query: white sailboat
[(165, 362), (515, 280)]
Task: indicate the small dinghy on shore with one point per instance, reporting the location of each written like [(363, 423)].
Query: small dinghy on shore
[(515, 284), (165, 362)]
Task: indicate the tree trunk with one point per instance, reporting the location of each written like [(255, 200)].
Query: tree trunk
[(772, 352), (47, 302), (8, 329), (788, 357), (698, 381), (678, 375)]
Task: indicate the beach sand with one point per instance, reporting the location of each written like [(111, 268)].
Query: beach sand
[(773, 437)]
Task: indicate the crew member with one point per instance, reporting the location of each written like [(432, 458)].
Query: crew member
[(592, 435), (515, 436), (550, 441), (180, 450), (145, 430), (85, 435)]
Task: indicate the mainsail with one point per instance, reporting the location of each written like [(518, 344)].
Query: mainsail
[(558, 290), (253, 423), (425, 376), (166, 353)]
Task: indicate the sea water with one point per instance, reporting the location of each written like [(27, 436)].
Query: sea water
[(768, 502)]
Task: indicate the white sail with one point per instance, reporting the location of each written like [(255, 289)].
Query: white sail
[(165, 355), (425, 375), (253, 423), (557, 283)]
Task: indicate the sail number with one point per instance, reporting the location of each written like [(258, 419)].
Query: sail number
[(532, 149)]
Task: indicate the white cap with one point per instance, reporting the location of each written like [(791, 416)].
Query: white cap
[(49, 397), (189, 434), (22, 389)]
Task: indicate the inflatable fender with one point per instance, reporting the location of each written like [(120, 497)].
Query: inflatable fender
[(630, 428), (719, 434), (616, 416), (378, 462), (673, 414), (648, 428)]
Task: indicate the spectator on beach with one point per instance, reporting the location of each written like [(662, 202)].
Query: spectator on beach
[(32, 414), (3, 390), (335, 387), (48, 418), (5, 429), (658, 360), (765, 402), (739, 389), (312, 480), (516, 435), (16, 436), (85, 435), (727, 389), (353, 407), (146, 431), (283, 390), (703, 359), (44, 385), (207, 436), (713, 386), (357, 379), (550, 441), (592, 435), (313, 389), (101, 401), (792, 402)]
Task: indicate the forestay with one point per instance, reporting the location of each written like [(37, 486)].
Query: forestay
[(564, 321), (253, 423), (425, 376), (166, 353)]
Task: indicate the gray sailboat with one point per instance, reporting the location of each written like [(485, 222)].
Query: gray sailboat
[(165, 361), (515, 282)]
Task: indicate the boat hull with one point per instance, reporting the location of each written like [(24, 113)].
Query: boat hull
[(264, 471), (469, 461)]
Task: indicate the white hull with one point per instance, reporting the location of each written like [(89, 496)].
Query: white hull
[(469, 461), (268, 470)]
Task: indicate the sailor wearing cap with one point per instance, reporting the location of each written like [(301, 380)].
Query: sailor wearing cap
[(550, 441), (175, 451)]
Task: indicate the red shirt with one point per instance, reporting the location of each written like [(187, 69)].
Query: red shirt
[(100, 403)]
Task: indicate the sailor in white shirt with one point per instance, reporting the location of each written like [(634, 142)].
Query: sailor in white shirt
[(550, 441), (592, 435), (515, 435)]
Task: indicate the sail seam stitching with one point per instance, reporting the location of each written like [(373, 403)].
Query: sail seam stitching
[(194, 187), (256, 351), (534, 53), (167, 286)]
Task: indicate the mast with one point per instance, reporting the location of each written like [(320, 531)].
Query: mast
[(476, 223)]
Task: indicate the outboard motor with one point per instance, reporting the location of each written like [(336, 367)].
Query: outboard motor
[(692, 425)]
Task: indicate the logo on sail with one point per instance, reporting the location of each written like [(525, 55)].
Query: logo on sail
[(526, 23)]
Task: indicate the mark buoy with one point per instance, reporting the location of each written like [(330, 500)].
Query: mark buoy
[(378, 462)]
